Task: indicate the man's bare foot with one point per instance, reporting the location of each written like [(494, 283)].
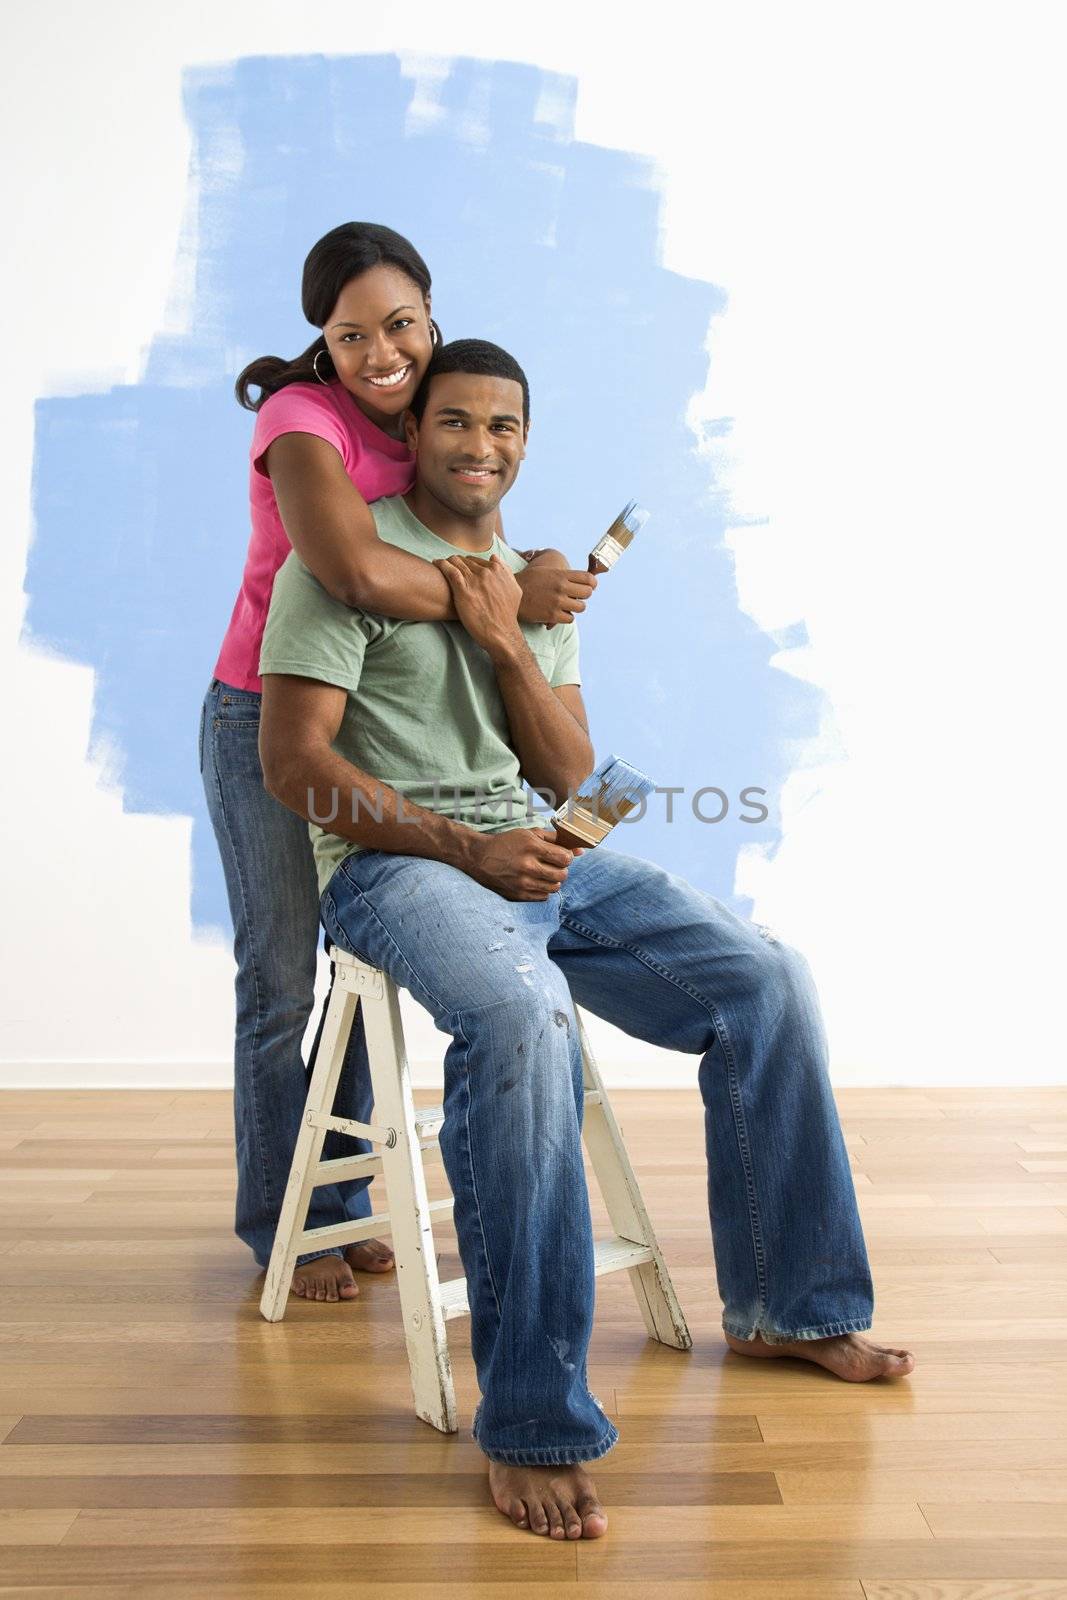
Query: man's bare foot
[(559, 1501), (326, 1278), (370, 1255), (847, 1355)]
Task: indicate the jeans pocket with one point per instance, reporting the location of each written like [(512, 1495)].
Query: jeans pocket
[(237, 707)]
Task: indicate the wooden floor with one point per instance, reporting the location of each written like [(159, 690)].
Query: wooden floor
[(158, 1438)]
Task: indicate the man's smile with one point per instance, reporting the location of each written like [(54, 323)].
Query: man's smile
[(475, 474)]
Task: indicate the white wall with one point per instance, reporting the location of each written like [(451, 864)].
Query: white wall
[(877, 190)]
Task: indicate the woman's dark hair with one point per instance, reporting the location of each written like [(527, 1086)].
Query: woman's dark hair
[(478, 357), (340, 255)]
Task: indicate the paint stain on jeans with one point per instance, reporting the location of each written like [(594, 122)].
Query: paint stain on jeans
[(561, 1347)]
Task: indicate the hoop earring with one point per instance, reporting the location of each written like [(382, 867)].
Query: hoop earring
[(433, 334), (315, 366)]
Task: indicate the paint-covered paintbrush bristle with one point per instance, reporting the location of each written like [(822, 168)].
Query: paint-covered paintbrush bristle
[(630, 520), (609, 793)]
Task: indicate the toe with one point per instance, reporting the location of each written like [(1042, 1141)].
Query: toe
[(517, 1513), (535, 1513), (371, 1255), (572, 1522), (594, 1522), (348, 1291), (555, 1519)]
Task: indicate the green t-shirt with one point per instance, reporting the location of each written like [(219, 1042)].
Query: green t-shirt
[(423, 707)]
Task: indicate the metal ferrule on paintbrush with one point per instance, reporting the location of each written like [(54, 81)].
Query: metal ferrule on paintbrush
[(609, 793), (630, 520)]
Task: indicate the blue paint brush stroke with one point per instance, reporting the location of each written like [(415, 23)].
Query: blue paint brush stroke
[(546, 245)]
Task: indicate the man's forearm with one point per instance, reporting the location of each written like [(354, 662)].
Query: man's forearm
[(323, 787), (554, 750)]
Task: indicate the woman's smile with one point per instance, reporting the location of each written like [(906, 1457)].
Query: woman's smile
[(390, 380)]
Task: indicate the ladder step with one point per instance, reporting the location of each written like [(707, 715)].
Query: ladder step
[(350, 1232), (609, 1255), (429, 1120), (339, 1168)]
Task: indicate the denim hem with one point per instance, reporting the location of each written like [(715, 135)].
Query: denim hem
[(316, 1255), (563, 1457), (829, 1330)]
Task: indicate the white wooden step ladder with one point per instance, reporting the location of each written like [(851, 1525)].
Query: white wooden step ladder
[(403, 1135)]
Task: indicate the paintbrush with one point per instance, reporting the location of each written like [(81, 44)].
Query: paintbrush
[(630, 520), (610, 792)]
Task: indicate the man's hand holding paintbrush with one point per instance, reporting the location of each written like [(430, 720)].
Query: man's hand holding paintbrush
[(553, 591), (562, 584)]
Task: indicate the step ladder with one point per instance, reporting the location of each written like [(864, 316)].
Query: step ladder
[(403, 1136)]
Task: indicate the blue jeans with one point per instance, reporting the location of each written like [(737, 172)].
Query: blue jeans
[(667, 963), (273, 895)]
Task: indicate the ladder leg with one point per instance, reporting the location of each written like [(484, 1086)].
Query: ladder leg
[(333, 1042), (409, 1212), (651, 1281)]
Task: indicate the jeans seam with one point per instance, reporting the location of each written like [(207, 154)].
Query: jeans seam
[(264, 1176), (740, 1126), (470, 1163)]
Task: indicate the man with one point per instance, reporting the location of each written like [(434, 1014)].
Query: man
[(410, 742)]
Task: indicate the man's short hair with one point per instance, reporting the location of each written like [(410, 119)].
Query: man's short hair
[(478, 357)]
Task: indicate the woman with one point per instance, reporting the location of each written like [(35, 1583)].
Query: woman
[(328, 438)]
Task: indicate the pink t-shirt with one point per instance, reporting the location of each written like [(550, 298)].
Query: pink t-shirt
[(377, 465)]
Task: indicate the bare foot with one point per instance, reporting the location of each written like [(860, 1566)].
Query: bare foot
[(559, 1501), (847, 1355), (370, 1255), (326, 1278)]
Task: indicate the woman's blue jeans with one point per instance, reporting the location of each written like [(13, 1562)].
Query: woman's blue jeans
[(274, 904), (669, 964)]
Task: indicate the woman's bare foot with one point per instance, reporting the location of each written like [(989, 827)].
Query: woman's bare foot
[(847, 1355), (370, 1255), (326, 1278), (559, 1501)]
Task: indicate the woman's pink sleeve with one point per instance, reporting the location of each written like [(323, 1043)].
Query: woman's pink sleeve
[(298, 409)]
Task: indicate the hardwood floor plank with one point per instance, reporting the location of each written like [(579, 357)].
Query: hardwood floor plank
[(860, 1485), (353, 1589), (1011, 1519), (781, 1428), (230, 1428), (860, 1458), (425, 1489), (440, 1527), (33, 1527), (201, 1571), (869, 1560)]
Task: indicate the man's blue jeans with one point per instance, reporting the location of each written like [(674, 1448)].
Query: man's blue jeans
[(273, 895), (667, 963)]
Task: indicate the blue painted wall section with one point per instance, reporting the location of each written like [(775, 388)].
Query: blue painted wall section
[(546, 245)]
